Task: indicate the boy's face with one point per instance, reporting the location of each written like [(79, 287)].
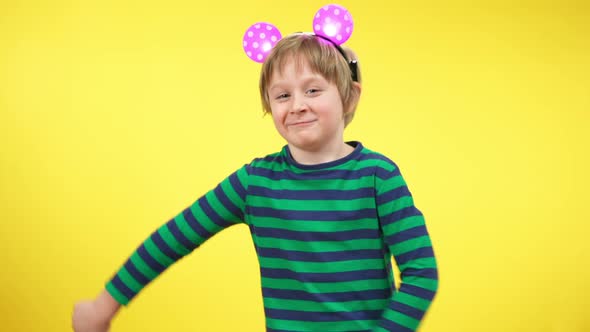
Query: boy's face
[(306, 109)]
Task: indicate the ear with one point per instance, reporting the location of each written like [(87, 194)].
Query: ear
[(355, 95)]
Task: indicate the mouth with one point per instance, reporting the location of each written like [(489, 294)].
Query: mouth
[(300, 123)]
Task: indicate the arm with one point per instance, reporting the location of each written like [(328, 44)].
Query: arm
[(407, 239), (213, 212)]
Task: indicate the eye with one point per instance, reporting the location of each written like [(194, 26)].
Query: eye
[(282, 96), (312, 91)]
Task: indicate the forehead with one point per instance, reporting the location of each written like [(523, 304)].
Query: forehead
[(293, 64)]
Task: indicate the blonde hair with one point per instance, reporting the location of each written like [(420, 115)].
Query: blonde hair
[(323, 58)]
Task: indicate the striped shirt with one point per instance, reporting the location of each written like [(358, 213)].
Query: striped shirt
[(324, 235)]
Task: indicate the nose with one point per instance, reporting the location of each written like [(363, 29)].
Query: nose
[(299, 105)]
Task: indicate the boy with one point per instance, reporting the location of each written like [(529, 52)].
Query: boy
[(325, 215)]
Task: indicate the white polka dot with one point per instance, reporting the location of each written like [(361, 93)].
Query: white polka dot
[(257, 26), (250, 34), (317, 27), (318, 15), (339, 37), (269, 27), (347, 29), (326, 7), (255, 44), (346, 17), (336, 11), (249, 53), (262, 36), (259, 56), (273, 38), (245, 43)]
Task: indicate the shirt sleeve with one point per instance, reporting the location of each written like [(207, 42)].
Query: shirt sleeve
[(218, 209), (407, 239)]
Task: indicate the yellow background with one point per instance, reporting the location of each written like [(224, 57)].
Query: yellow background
[(116, 115)]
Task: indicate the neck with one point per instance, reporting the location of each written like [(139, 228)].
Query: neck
[(324, 154)]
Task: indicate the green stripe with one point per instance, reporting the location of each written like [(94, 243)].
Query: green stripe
[(313, 205), (401, 319), (403, 224), (142, 266), (172, 242), (231, 193), (159, 256), (390, 184), (243, 177), (301, 305), (411, 300), (122, 299), (220, 209), (324, 287), (314, 246), (426, 283), (336, 184), (419, 263), (321, 267), (312, 226), (203, 219), (291, 325), (187, 231), (397, 204), (129, 281), (411, 244)]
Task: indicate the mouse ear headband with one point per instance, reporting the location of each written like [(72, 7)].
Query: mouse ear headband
[(332, 23)]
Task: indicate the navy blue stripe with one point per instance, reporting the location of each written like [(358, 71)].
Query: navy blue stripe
[(268, 329), (122, 288), (135, 273), (214, 216), (385, 174), (195, 225), (392, 326), (417, 291), (273, 158), (356, 234), (393, 195), (323, 277), (312, 316), (149, 260), (227, 203), (414, 254), (164, 247), (312, 194), (375, 156), (237, 185), (312, 215), (179, 236), (364, 295), (406, 310), (408, 234), (332, 174), (332, 256), (424, 273), (406, 212)]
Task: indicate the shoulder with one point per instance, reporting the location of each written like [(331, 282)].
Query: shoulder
[(378, 160), (270, 161)]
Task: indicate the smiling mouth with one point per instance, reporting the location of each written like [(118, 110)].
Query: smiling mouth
[(301, 123)]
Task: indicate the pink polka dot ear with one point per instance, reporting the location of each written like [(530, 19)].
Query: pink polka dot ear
[(333, 22), (259, 39)]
